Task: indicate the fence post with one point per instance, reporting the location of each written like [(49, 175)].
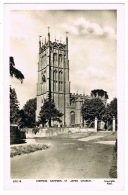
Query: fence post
[(95, 124), (113, 125)]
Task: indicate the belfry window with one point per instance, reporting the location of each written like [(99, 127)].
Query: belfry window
[(55, 74), (60, 75), (64, 58), (60, 58), (54, 57)]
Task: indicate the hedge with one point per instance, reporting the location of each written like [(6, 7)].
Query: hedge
[(16, 136)]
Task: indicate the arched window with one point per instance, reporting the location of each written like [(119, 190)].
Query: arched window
[(60, 86), (43, 76), (60, 75), (72, 118), (60, 58), (55, 85), (55, 74), (54, 57)]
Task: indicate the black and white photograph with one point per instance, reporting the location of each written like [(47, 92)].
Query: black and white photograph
[(65, 87)]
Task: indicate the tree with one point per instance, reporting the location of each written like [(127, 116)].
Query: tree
[(15, 72), (14, 107), (107, 117), (113, 108), (49, 112), (92, 108), (110, 112), (14, 104), (16, 136), (99, 92), (28, 114)]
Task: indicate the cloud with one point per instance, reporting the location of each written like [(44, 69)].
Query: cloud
[(109, 32), (71, 29), (86, 28)]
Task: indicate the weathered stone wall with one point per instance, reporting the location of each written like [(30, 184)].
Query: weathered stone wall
[(52, 132)]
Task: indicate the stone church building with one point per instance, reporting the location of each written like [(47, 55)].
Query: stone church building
[(54, 82)]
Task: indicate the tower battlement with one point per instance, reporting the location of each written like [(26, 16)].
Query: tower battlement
[(56, 44), (53, 45), (76, 96)]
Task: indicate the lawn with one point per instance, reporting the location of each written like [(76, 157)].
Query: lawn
[(107, 136)]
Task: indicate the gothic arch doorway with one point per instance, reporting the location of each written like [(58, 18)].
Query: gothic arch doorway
[(72, 118)]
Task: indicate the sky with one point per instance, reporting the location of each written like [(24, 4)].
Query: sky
[(92, 38)]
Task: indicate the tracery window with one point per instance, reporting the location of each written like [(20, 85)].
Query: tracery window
[(60, 86), (55, 74), (60, 75), (60, 58), (54, 57), (55, 85)]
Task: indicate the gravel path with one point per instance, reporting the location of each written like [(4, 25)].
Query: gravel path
[(65, 159), (106, 142)]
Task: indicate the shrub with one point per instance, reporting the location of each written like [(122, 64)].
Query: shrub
[(16, 136), (110, 127), (35, 130), (26, 149)]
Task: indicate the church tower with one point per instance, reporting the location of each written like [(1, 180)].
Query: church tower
[(53, 75)]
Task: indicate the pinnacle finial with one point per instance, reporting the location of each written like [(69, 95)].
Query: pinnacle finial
[(66, 33), (48, 29), (40, 37)]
